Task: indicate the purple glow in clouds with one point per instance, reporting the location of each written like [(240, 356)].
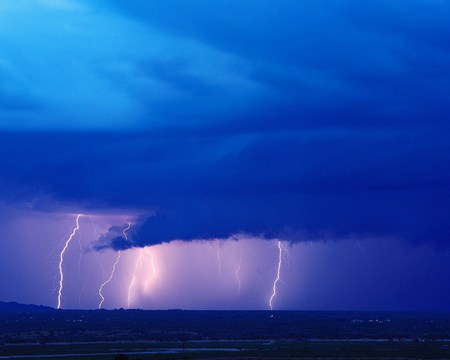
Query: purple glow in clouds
[(184, 274)]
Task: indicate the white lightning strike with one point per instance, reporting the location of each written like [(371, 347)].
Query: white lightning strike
[(119, 254), (124, 231), (137, 269), (238, 268), (238, 280), (61, 259), (152, 264), (274, 288), (100, 290)]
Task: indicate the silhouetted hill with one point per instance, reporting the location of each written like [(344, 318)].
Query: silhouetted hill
[(14, 307)]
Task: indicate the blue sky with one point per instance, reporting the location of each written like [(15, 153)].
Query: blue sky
[(300, 120)]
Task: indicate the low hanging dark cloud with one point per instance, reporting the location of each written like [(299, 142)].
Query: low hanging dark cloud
[(298, 185)]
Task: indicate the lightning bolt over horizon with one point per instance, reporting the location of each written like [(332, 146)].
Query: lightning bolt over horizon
[(137, 269), (142, 270), (152, 264), (61, 259), (236, 274), (238, 268), (274, 287), (113, 270), (219, 258), (100, 290)]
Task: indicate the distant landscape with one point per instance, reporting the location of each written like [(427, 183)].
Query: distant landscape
[(224, 179), (31, 329)]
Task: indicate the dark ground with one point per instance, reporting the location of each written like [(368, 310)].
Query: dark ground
[(176, 334)]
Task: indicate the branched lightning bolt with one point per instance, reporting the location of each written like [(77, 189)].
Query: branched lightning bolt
[(274, 288), (100, 290), (137, 269), (61, 259)]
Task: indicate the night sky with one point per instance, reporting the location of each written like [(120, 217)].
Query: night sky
[(226, 154)]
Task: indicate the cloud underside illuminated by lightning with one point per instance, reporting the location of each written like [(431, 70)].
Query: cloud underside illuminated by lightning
[(180, 268)]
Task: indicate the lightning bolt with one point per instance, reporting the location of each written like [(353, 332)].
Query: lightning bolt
[(113, 270), (137, 269), (219, 258), (124, 231), (61, 259), (274, 288), (238, 280), (152, 264), (238, 268), (100, 290), (361, 248)]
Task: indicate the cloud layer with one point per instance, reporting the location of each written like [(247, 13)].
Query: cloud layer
[(300, 119)]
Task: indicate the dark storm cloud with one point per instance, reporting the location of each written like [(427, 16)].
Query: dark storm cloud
[(114, 239), (341, 128), (297, 186), (321, 62)]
